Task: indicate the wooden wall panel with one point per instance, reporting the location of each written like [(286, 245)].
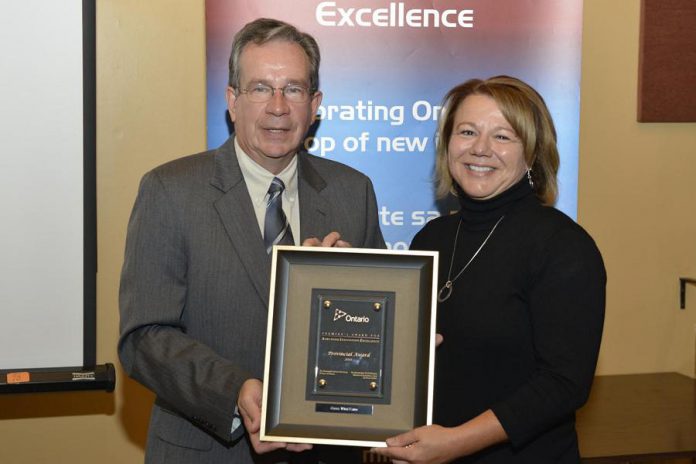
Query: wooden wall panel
[(667, 65)]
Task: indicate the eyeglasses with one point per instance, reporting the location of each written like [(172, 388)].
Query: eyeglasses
[(262, 93)]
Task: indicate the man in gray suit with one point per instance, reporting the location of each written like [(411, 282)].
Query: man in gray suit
[(195, 281)]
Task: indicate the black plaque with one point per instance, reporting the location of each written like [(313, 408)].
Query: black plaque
[(350, 348)]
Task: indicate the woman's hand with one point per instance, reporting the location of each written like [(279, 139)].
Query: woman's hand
[(431, 444), (434, 444)]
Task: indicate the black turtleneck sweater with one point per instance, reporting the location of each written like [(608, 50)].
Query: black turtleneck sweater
[(522, 326)]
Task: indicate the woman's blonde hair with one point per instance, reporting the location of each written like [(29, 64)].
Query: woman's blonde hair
[(525, 110)]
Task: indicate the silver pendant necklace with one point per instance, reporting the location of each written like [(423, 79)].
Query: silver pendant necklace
[(446, 289)]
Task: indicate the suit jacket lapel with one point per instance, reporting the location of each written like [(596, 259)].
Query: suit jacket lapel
[(237, 215), (315, 210)]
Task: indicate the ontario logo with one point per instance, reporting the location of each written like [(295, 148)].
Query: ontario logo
[(340, 314)]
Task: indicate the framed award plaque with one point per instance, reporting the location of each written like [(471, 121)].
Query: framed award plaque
[(350, 345)]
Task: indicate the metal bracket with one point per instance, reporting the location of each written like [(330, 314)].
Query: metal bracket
[(682, 290)]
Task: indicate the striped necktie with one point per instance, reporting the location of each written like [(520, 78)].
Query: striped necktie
[(276, 230)]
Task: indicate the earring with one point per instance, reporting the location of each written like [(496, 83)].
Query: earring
[(529, 177)]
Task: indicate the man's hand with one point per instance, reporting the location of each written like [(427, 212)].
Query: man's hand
[(249, 405), (333, 239)]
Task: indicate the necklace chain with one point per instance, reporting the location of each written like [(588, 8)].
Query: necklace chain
[(446, 290)]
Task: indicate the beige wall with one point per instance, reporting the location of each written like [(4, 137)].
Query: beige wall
[(636, 188), (637, 192)]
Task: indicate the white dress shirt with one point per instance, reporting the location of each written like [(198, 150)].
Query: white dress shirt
[(258, 180)]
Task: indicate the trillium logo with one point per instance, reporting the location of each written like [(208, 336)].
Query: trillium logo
[(340, 314)]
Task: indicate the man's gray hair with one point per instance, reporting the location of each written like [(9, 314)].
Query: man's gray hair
[(264, 30)]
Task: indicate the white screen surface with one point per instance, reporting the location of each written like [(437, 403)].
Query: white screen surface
[(41, 184)]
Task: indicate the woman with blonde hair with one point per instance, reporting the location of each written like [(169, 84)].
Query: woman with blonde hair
[(522, 289)]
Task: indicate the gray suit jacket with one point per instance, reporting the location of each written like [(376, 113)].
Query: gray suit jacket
[(195, 286)]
